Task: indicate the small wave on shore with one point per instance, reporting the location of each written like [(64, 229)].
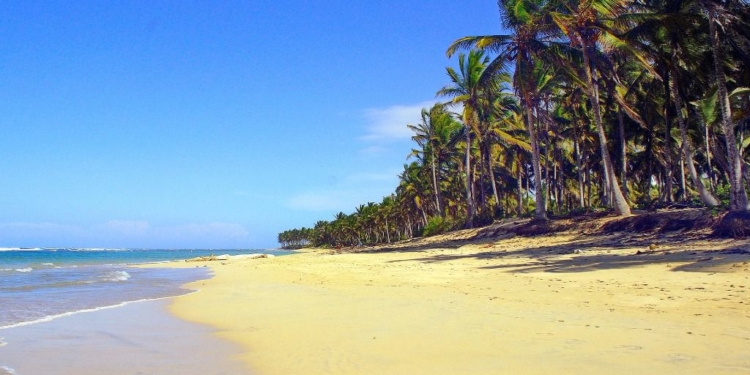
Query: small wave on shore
[(116, 276), (37, 285), (49, 293), (50, 318), (5, 370)]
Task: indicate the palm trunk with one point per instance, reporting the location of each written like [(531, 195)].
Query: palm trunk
[(706, 197), (535, 161), (737, 194), (387, 232), (623, 152), (707, 142), (619, 203), (476, 186), (579, 166), (556, 206), (470, 209), (480, 165), (561, 188), (519, 180), (606, 186), (492, 178), (546, 159), (683, 186), (589, 193), (436, 187), (667, 143)]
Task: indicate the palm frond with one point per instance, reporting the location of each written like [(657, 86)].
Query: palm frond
[(510, 139), (492, 43)]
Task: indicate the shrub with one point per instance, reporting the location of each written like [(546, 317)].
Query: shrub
[(436, 225)]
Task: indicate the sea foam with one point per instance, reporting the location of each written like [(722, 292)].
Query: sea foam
[(116, 276), (50, 318), (20, 248)]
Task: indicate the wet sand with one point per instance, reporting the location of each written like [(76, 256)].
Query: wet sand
[(139, 338), (559, 304)]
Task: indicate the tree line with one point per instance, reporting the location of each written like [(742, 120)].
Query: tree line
[(584, 104)]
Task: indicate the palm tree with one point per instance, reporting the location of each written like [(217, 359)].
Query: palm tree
[(524, 48), (466, 88), (584, 22), (718, 14), (414, 188), (567, 101), (503, 134), (705, 109), (669, 36), (512, 149), (435, 134)]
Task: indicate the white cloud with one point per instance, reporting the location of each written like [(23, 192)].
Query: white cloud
[(384, 124), (384, 129)]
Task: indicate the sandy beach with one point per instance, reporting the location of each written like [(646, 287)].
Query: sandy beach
[(564, 303)]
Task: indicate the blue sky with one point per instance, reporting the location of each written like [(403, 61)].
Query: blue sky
[(204, 124)]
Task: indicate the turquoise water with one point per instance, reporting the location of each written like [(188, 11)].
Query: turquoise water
[(38, 285)]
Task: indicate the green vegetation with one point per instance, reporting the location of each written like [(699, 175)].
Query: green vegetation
[(584, 104)]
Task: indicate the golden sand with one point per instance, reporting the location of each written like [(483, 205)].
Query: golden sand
[(563, 304)]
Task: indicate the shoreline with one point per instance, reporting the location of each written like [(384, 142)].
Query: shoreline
[(51, 318), (561, 303), (141, 337)]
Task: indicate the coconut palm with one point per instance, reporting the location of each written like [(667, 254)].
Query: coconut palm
[(524, 48), (721, 18), (670, 37), (435, 136), (588, 26), (466, 88), (578, 68), (503, 135)]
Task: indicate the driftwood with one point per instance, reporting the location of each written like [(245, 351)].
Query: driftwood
[(212, 257)]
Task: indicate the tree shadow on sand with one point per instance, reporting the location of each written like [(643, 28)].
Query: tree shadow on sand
[(585, 254), (682, 241)]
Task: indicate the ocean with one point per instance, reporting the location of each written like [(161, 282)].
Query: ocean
[(38, 285)]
